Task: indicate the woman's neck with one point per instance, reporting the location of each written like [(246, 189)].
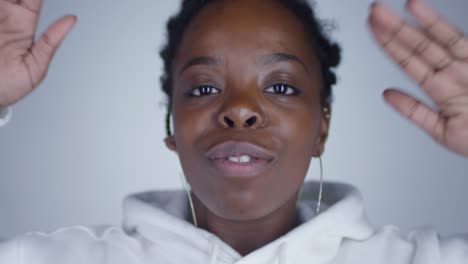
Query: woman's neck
[(247, 236)]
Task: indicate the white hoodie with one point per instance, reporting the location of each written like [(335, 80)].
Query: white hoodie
[(156, 230)]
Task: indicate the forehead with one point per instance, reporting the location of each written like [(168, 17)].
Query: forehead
[(245, 29)]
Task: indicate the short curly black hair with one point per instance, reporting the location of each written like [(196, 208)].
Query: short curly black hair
[(327, 51)]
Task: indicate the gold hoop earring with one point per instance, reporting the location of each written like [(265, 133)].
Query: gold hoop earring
[(319, 200), (188, 190)]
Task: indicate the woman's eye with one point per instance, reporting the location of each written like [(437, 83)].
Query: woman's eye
[(282, 89), (204, 90)]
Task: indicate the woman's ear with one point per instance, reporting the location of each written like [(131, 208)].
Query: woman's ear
[(170, 143), (324, 128)]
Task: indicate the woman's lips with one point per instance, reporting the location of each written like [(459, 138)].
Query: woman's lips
[(238, 149), (239, 159), (240, 169)]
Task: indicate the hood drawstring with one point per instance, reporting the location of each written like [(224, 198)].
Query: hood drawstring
[(283, 253), (215, 253)]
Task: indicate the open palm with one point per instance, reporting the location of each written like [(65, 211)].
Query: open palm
[(23, 62), (435, 55)]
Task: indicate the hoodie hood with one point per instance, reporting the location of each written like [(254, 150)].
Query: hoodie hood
[(161, 221)]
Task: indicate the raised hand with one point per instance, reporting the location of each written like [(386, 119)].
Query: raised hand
[(435, 55), (23, 63)]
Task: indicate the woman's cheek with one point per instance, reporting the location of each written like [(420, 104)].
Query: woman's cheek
[(193, 121), (300, 128)]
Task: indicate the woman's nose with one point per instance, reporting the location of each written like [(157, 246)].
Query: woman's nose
[(241, 113)]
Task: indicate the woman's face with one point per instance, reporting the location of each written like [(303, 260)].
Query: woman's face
[(246, 107)]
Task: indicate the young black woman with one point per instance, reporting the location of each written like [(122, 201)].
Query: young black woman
[(250, 109)]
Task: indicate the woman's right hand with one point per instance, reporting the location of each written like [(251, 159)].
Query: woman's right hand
[(23, 62)]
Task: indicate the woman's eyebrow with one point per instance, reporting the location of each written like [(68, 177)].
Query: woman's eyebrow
[(202, 60), (280, 57), (266, 59)]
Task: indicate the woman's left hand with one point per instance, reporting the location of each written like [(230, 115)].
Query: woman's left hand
[(435, 55)]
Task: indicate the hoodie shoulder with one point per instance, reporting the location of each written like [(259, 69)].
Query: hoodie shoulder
[(430, 245), (9, 251), (71, 245), (388, 245)]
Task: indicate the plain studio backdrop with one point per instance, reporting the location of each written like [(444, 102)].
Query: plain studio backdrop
[(93, 131)]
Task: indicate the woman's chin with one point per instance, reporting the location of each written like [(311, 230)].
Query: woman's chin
[(246, 207)]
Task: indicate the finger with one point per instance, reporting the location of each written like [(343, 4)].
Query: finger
[(383, 20), (418, 113), (43, 50), (437, 86), (31, 5), (439, 29), (6, 5)]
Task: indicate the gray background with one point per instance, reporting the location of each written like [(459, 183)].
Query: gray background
[(93, 131)]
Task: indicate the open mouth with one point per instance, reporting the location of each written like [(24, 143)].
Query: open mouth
[(242, 159), (239, 159)]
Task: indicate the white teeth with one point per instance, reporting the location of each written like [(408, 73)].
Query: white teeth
[(241, 159), (244, 159)]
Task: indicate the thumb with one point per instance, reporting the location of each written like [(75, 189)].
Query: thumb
[(43, 50)]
